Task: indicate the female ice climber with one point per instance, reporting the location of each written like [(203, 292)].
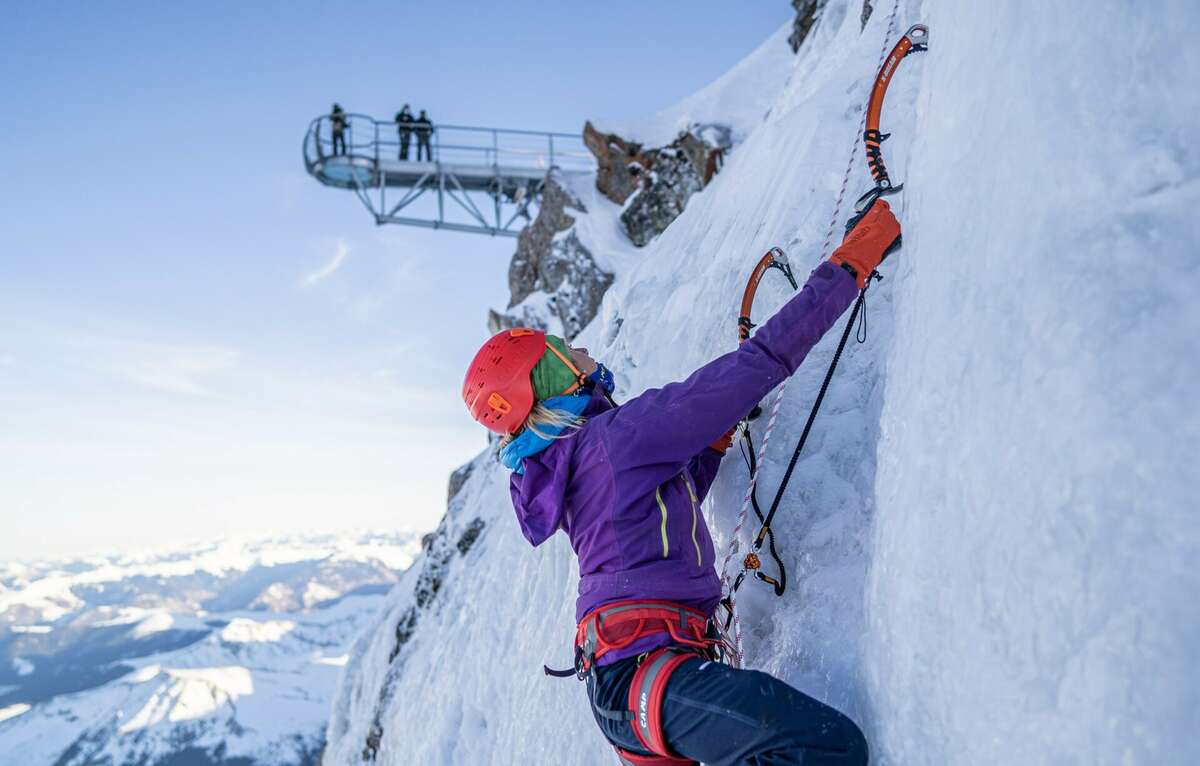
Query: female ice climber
[(625, 483)]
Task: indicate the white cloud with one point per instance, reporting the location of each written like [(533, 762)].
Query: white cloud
[(339, 257)]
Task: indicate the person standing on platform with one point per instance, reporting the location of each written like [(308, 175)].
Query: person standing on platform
[(337, 123), (424, 128), (404, 122)]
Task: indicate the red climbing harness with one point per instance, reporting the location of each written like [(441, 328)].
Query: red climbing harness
[(617, 626), (646, 698)]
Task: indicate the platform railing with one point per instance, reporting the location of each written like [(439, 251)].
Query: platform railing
[(482, 180), (378, 142)]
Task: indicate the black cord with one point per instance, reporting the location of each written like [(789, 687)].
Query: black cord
[(812, 416)]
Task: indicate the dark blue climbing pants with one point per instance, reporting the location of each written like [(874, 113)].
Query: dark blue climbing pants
[(718, 715)]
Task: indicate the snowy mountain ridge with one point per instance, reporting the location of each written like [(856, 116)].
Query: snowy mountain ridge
[(217, 653), (987, 539), (46, 589)]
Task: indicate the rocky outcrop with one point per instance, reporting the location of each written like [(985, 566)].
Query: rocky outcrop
[(553, 280), (866, 13), (619, 163), (655, 184), (457, 479), (665, 193), (672, 175), (807, 13)]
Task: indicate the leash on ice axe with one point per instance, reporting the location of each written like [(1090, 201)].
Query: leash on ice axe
[(916, 39), (773, 259)]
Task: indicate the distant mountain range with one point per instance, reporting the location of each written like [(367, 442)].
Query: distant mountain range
[(225, 653)]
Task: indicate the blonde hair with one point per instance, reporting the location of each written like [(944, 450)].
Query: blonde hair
[(543, 417)]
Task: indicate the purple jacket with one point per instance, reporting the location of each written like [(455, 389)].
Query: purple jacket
[(627, 487)]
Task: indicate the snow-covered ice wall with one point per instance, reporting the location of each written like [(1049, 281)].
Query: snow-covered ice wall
[(987, 538), (1033, 595)]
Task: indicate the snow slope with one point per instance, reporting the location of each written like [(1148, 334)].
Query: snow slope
[(987, 536), (738, 99), (46, 591)]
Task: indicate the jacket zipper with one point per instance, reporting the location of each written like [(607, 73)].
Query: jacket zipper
[(692, 494)]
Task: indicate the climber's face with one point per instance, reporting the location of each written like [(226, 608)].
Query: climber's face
[(581, 359)]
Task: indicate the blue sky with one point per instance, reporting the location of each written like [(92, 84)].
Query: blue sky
[(179, 357)]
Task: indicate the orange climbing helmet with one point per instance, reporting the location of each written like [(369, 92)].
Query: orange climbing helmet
[(497, 389)]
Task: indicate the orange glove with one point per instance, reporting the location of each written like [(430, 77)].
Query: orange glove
[(722, 445), (864, 245)]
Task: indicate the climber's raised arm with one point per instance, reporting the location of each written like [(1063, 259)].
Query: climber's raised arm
[(672, 424)]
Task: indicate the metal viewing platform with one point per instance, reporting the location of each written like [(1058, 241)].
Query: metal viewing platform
[(498, 171)]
